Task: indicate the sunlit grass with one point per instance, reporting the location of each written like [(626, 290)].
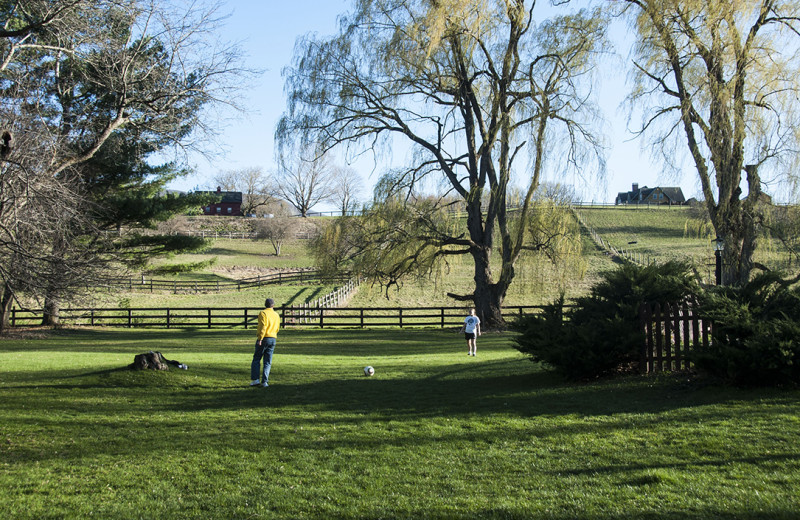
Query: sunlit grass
[(434, 434), (671, 233), (237, 253)]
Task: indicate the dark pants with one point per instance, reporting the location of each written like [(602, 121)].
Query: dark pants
[(262, 351)]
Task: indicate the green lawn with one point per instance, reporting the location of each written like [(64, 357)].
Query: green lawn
[(235, 253), (434, 434)]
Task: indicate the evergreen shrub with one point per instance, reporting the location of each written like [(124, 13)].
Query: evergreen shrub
[(756, 333), (600, 333)]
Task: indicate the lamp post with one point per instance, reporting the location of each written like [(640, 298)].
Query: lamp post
[(719, 246)]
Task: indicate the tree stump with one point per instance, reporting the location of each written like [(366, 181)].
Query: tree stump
[(154, 361)]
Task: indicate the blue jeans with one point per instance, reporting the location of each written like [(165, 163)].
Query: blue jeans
[(262, 351)]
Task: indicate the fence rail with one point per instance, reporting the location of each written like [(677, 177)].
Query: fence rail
[(672, 331), (234, 317), (199, 286)]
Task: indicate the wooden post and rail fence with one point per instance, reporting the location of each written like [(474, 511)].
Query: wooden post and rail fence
[(208, 286), (233, 317)]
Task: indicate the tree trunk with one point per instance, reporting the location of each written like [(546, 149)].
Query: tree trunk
[(5, 307), (736, 221), (52, 307), (488, 301)]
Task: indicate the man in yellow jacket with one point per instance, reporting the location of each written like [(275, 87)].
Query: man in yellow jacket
[(268, 324)]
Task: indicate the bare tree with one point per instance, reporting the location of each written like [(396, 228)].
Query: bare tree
[(471, 86), (346, 187), (719, 77), (279, 226), (253, 182), (304, 179), (76, 74)]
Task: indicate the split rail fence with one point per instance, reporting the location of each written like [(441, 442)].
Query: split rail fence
[(672, 332), (206, 286), (234, 317)]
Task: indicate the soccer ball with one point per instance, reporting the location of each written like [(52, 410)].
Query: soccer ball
[(368, 371)]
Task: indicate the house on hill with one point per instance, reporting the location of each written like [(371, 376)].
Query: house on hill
[(656, 196), (230, 203)]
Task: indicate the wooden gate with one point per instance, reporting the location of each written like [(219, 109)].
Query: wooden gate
[(672, 331)]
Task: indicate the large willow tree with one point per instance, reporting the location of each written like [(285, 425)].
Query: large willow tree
[(480, 92), (722, 77)]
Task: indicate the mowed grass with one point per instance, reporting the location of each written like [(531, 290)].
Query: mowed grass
[(434, 434), (230, 254)]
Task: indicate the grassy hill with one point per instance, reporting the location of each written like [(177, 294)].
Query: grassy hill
[(660, 233)]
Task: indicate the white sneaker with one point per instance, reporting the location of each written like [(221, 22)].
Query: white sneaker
[(255, 382)]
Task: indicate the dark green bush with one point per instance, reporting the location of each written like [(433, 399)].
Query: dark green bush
[(600, 334), (756, 334)]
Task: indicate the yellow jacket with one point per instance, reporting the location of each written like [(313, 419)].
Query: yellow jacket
[(268, 323)]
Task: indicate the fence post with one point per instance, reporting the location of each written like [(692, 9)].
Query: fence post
[(659, 361), (91, 317), (13, 317), (645, 319), (441, 309), (676, 329), (167, 318), (362, 317), (209, 318), (687, 345), (400, 316), (283, 316), (129, 318), (321, 317), (667, 315), (245, 317), (696, 339)]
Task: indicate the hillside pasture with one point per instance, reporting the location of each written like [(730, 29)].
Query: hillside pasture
[(672, 233)]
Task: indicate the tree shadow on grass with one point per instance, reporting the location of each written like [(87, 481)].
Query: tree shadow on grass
[(175, 415), (211, 404), (316, 342), (224, 251)]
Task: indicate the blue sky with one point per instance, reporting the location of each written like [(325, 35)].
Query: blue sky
[(267, 31)]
